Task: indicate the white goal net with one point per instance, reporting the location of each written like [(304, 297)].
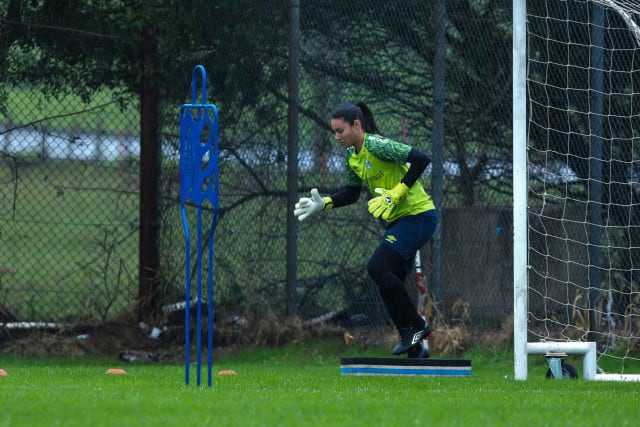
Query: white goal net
[(582, 91)]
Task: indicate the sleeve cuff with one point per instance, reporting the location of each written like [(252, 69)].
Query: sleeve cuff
[(328, 203)]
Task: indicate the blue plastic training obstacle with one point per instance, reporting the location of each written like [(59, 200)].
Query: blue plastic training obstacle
[(199, 188), (405, 366)]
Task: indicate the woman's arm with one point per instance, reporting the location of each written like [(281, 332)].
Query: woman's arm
[(347, 196), (419, 162)]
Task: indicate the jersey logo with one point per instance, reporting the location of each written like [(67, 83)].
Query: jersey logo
[(367, 164), (391, 238)]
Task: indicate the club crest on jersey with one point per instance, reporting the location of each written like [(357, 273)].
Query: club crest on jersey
[(367, 164)]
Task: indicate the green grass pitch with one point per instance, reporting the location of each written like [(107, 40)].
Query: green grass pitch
[(300, 385)]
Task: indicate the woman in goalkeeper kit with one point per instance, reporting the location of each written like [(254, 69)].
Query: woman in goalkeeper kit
[(390, 171)]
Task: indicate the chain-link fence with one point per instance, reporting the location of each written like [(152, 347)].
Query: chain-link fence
[(69, 190), (70, 151)]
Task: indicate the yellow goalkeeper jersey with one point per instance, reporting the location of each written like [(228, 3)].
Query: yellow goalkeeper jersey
[(382, 163)]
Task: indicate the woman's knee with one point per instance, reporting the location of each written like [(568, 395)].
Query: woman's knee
[(383, 261), (375, 267)]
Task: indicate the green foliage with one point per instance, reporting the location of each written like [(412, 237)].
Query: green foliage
[(349, 51), (29, 105)]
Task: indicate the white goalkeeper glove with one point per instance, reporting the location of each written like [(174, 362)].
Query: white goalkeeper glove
[(309, 206)]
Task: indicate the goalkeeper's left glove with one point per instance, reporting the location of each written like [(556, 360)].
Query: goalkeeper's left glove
[(382, 205)]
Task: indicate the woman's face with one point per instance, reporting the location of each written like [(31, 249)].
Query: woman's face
[(348, 135)]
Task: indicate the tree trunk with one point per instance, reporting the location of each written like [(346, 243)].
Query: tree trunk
[(148, 280)]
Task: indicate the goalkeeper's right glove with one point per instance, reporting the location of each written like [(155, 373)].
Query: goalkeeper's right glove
[(382, 205), (309, 206)]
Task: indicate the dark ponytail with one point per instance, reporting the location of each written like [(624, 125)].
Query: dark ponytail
[(358, 111), (368, 123)]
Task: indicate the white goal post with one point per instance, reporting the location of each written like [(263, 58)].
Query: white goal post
[(576, 184)]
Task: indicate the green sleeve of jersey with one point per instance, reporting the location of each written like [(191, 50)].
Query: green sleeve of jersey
[(351, 178), (387, 149)]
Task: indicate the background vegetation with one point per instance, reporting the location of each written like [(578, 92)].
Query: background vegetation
[(120, 69), (90, 227)]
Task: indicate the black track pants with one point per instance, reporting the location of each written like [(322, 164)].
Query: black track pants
[(388, 270)]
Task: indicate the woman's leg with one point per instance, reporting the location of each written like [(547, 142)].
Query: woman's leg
[(388, 269)]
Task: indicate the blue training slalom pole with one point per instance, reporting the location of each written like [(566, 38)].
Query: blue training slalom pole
[(199, 184)]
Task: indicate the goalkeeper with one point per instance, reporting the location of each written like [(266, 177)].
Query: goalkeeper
[(390, 171)]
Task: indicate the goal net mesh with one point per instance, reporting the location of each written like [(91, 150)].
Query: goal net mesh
[(583, 107)]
